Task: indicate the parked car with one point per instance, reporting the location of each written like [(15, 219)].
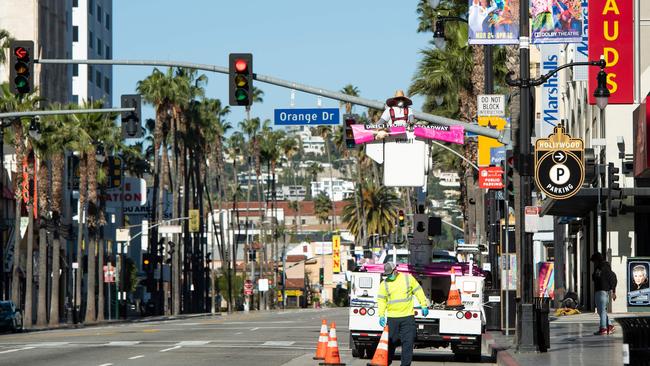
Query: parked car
[(11, 317)]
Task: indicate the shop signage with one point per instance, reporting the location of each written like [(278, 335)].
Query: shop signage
[(638, 289), (490, 177), (336, 253), (559, 164), (611, 34)]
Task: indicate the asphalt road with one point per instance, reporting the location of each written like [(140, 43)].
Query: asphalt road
[(282, 338)]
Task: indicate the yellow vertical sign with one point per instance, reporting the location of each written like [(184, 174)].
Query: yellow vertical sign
[(486, 143), (336, 254), (194, 221)]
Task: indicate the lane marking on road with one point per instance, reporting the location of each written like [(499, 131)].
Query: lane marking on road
[(123, 343), (190, 324), (256, 328), (48, 344), (136, 357), (170, 349), (106, 364), (15, 350), (192, 343), (238, 333), (278, 343), (150, 330)]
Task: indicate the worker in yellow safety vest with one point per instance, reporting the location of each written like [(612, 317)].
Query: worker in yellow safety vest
[(395, 300)]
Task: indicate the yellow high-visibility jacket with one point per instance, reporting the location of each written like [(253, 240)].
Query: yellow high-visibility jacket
[(396, 297)]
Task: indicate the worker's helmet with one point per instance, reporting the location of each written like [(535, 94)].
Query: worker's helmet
[(388, 268)]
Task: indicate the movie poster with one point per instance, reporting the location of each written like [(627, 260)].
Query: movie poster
[(556, 21), (638, 289), (493, 22), (546, 280)]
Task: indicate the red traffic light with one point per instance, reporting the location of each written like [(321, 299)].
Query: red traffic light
[(21, 53), (241, 65)]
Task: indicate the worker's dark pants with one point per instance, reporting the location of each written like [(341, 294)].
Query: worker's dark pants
[(401, 329)]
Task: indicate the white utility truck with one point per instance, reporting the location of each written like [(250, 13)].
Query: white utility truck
[(460, 327)]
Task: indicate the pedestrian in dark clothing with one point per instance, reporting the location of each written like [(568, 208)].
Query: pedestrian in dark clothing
[(604, 282)]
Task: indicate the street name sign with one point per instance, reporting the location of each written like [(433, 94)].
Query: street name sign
[(491, 105), (306, 117), (559, 164)]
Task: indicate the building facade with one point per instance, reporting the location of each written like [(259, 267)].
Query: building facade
[(92, 38)]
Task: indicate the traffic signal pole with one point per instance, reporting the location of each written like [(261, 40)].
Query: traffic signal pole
[(63, 111), (502, 136)]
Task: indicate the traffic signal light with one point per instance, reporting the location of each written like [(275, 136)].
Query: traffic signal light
[(241, 78), (147, 262), (21, 74), (131, 125), (615, 193), (400, 218), (350, 119), (321, 276), (194, 221)]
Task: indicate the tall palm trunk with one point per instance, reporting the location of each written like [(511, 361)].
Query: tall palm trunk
[(329, 161), (81, 221), (29, 277), (92, 242), (57, 201), (100, 281), (15, 273), (176, 210), (41, 313), (29, 289)]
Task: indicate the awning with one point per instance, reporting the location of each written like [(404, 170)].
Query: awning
[(579, 205)]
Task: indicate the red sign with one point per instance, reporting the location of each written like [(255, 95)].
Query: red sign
[(611, 34), (109, 274), (490, 177), (248, 287)]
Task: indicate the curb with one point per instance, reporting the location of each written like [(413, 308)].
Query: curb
[(499, 353)]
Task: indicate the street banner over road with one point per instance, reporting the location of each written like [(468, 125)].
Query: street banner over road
[(306, 117), (496, 24), (556, 21), (559, 165), (611, 34)]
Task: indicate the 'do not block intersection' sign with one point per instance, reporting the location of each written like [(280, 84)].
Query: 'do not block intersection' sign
[(559, 164)]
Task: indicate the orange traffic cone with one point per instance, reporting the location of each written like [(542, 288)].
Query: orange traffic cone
[(381, 354), (453, 299), (332, 357), (322, 342)]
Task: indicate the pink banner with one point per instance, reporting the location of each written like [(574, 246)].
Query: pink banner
[(363, 135), (454, 134)]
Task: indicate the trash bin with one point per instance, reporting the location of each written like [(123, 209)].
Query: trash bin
[(541, 308), (636, 340)]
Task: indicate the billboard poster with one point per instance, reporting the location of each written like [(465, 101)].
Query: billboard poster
[(638, 289), (545, 280), (581, 50), (493, 22), (611, 34), (556, 21)]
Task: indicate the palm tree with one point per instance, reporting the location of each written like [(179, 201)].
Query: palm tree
[(235, 146), (323, 208), (10, 102), (381, 206), (352, 91), (313, 169), (325, 132), (290, 148)]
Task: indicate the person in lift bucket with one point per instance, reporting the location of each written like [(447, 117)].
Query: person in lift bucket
[(397, 113)]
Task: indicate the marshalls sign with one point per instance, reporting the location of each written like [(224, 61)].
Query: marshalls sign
[(491, 105)]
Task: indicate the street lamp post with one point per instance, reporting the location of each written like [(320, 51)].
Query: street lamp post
[(524, 166)]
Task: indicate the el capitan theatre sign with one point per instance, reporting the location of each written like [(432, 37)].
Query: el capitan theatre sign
[(611, 33)]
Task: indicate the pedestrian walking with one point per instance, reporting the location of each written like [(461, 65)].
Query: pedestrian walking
[(395, 301), (604, 283)]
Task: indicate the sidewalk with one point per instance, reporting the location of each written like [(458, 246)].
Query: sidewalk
[(572, 343)]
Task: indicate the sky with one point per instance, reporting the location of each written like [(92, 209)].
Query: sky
[(372, 45)]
